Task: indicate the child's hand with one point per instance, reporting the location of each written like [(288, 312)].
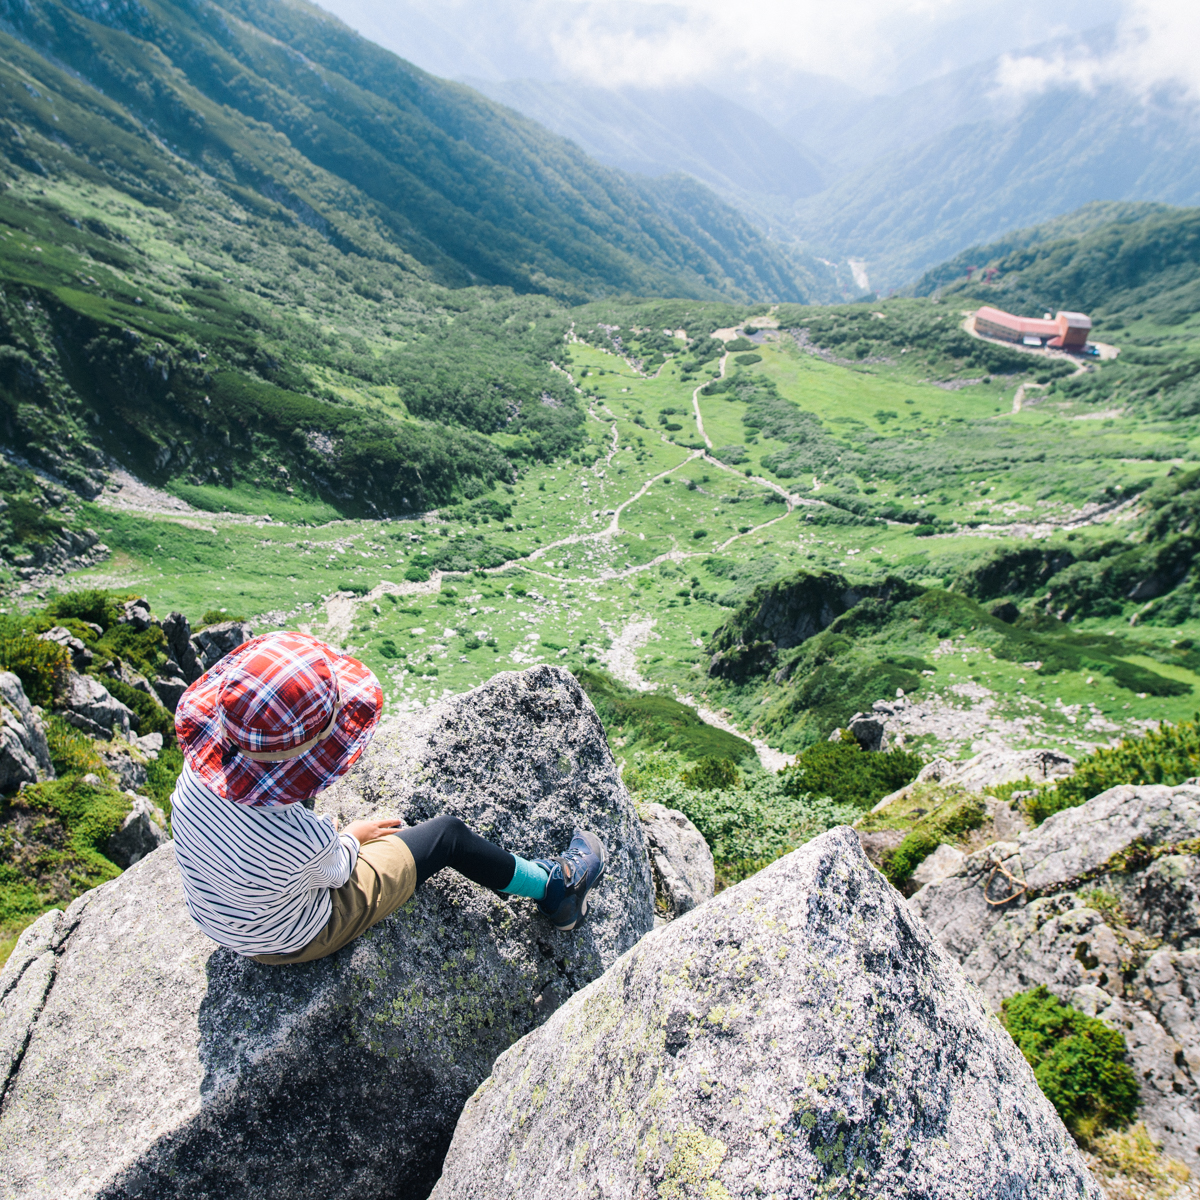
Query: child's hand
[(372, 831)]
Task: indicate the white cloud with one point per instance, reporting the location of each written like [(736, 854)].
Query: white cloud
[(1156, 45), (877, 45)]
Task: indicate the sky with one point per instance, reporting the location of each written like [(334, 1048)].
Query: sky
[(873, 46)]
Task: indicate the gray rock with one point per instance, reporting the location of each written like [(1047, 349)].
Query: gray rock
[(129, 771), (161, 1066), (170, 689), (142, 832), (868, 731), (942, 863), (680, 860), (1082, 905), (150, 744), (135, 679), (181, 652), (24, 753), (801, 1035), (879, 842), (87, 704), (137, 614), (81, 656), (213, 643), (992, 768)]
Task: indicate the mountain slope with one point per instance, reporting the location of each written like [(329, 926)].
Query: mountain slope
[(263, 93), (663, 130)]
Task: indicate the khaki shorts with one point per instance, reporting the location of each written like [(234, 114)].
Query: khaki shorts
[(384, 878)]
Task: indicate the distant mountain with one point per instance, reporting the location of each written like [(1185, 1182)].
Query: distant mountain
[(662, 130), (969, 184)]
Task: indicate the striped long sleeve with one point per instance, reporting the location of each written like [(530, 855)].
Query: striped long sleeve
[(256, 880)]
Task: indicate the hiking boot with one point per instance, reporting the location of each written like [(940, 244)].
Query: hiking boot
[(572, 875)]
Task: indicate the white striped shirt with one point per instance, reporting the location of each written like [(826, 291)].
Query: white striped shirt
[(256, 880)]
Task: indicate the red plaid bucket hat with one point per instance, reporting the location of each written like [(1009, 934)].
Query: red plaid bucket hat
[(278, 720)]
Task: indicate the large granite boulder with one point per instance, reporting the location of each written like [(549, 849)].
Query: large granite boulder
[(154, 1064), (680, 860), (24, 753), (1101, 904), (800, 1035)]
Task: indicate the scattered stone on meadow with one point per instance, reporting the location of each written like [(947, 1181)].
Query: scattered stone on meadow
[(154, 1063), (799, 1035)]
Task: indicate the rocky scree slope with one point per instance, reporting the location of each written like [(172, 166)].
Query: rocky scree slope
[(1101, 905), (139, 1059), (799, 1035)]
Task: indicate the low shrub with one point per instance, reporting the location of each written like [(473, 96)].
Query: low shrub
[(218, 616), (711, 773), (747, 827), (72, 752), (848, 774), (925, 531), (1167, 755), (162, 774), (416, 575), (355, 589), (51, 844), (41, 666), (151, 716), (1079, 1062), (388, 648)]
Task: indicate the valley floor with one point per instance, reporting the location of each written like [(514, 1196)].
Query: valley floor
[(632, 555)]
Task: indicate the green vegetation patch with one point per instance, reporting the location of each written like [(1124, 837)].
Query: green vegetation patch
[(645, 720), (747, 825), (1079, 1062), (848, 774), (52, 837), (1168, 755)]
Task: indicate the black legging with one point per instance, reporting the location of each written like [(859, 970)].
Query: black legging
[(447, 842)]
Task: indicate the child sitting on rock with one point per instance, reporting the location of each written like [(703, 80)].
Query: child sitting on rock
[(273, 724)]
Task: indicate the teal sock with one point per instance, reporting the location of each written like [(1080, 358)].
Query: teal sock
[(528, 880)]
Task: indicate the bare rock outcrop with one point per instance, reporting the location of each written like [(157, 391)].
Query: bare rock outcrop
[(88, 705), (680, 860), (24, 754), (146, 1062), (141, 833), (801, 1035), (1101, 904), (213, 642)]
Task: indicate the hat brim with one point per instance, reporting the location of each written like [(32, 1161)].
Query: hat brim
[(230, 774)]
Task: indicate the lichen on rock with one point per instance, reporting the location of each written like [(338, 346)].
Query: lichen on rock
[(152, 1063), (799, 1035)]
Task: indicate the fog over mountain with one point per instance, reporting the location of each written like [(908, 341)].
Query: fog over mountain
[(890, 134)]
